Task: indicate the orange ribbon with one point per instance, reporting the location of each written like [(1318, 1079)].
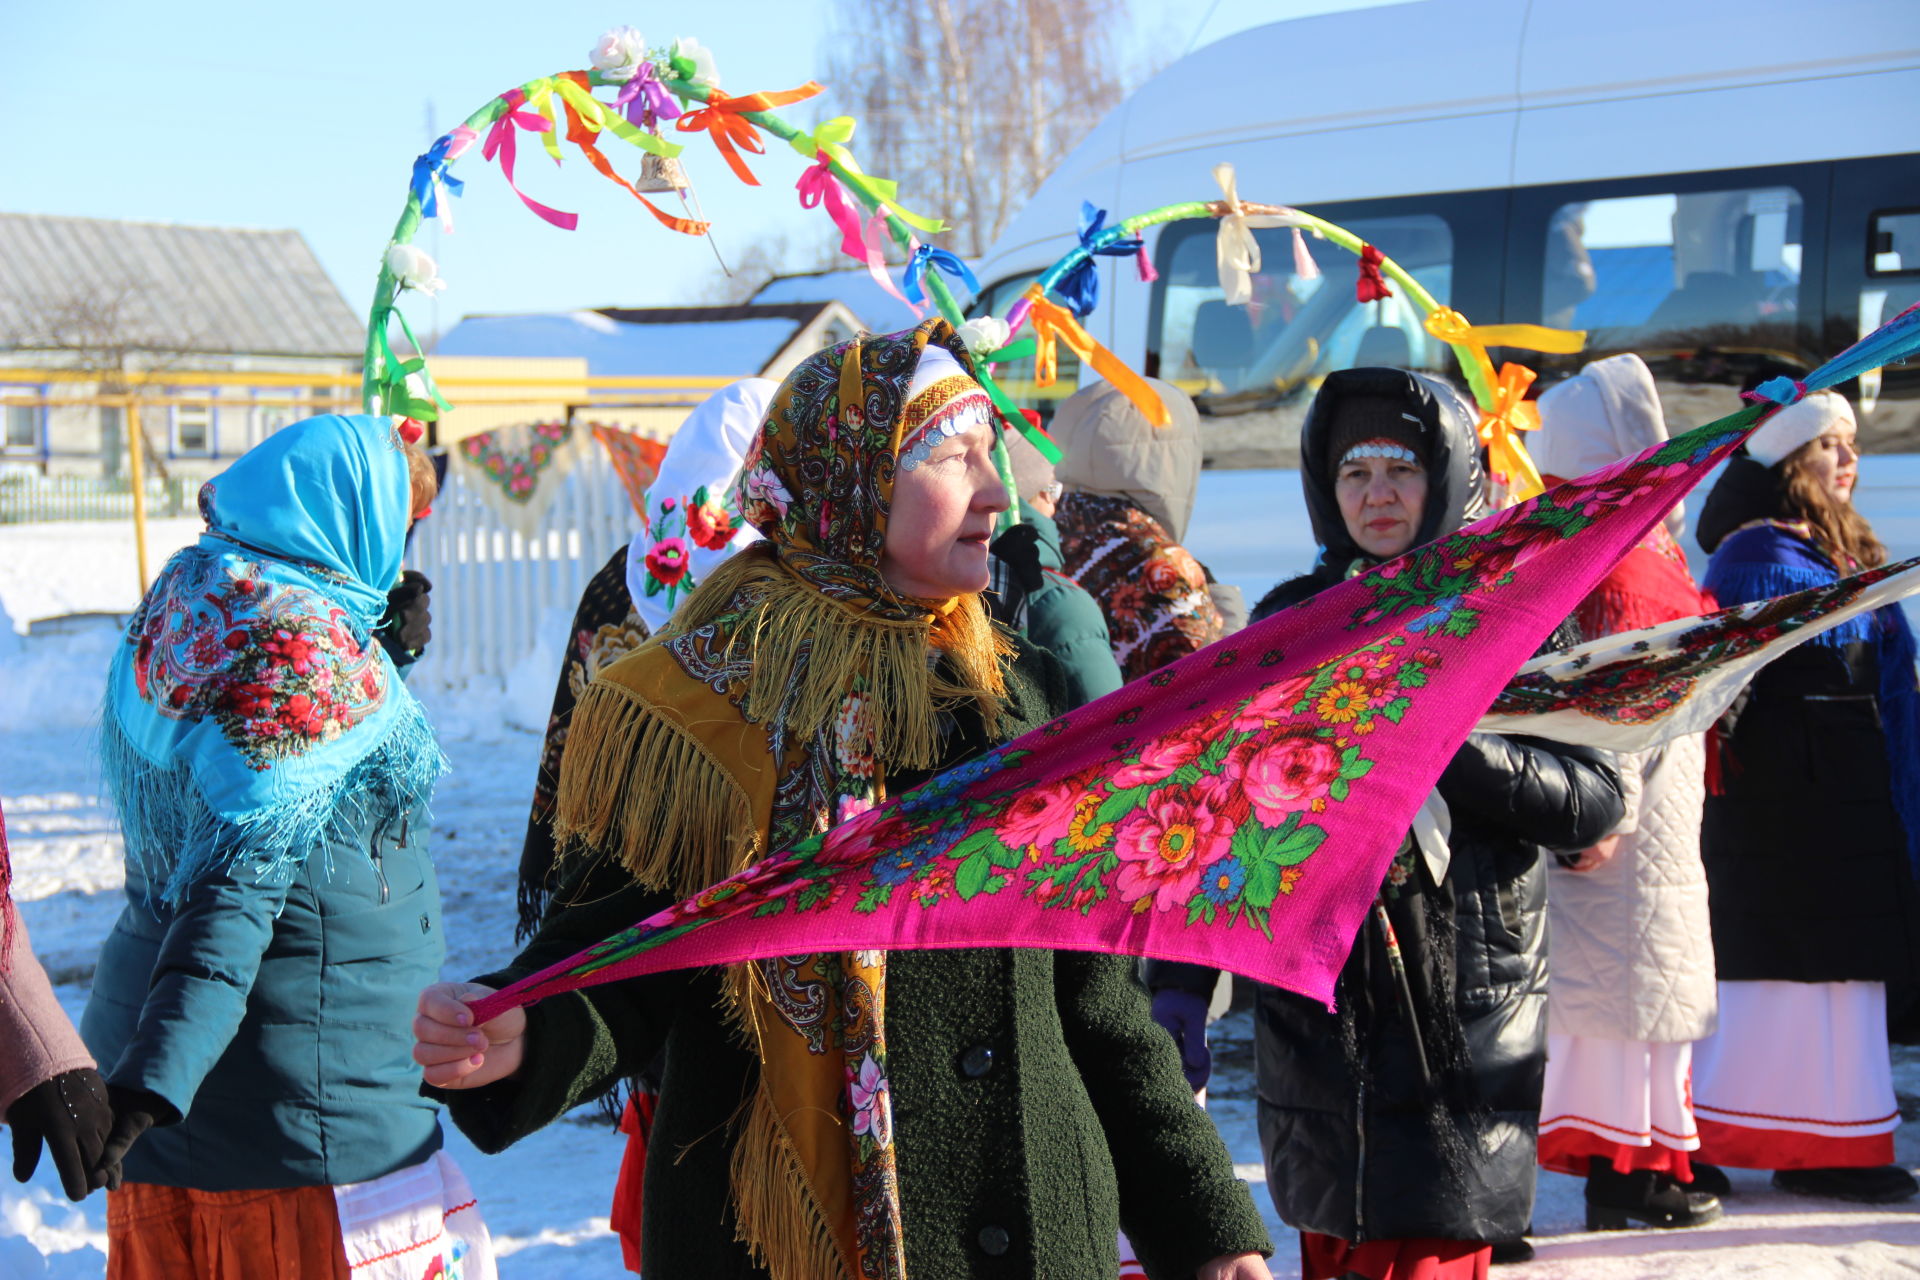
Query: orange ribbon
[(724, 118), (580, 134), (1500, 426), (1053, 324)]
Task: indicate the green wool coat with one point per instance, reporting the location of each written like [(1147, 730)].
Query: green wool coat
[(1037, 1107)]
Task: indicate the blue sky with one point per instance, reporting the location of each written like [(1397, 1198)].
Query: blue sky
[(309, 116)]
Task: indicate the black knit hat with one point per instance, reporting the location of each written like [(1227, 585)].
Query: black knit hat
[(1390, 419)]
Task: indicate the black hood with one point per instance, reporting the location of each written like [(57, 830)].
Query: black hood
[(1456, 484), (1747, 490)]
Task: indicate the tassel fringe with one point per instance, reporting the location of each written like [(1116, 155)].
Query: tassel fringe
[(789, 626), (637, 786), (777, 1216), (173, 838)]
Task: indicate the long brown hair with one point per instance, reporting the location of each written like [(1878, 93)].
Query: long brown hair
[(1837, 526)]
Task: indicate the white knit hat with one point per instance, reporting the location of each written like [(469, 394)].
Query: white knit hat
[(1798, 424)]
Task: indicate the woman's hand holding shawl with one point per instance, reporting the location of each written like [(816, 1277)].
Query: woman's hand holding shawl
[(457, 1054)]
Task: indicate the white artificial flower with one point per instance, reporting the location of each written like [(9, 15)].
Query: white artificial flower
[(618, 54), (704, 70), (985, 334), (415, 269)]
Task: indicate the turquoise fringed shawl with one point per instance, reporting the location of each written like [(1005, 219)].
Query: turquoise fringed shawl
[(251, 714)]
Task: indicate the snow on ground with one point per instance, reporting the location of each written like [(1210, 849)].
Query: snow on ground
[(547, 1201)]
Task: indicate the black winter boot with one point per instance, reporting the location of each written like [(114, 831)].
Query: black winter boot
[(1617, 1201), (1885, 1185), (1710, 1178)]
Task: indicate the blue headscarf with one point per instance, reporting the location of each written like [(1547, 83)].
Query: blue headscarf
[(251, 710)]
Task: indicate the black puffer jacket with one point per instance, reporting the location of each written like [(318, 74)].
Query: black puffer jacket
[(1360, 1142)]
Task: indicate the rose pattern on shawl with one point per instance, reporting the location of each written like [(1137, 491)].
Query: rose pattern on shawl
[(277, 673), (867, 1102), (1290, 772), (1162, 847), (517, 474)]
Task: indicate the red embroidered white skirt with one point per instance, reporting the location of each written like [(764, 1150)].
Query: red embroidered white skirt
[(1624, 1100), (1799, 1076)]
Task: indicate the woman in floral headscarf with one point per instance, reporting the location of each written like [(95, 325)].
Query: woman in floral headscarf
[(933, 1113)]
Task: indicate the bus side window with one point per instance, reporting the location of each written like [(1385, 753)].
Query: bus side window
[(1297, 327), (1666, 275), (1892, 284)]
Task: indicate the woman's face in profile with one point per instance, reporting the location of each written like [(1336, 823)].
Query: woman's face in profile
[(1833, 462), (942, 519), (1381, 501)]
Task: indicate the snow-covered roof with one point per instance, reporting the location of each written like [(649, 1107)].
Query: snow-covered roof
[(877, 309), (224, 290), (642, 342)]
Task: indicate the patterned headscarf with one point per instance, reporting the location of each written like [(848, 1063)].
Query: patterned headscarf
[(772, 707), (250, 697)]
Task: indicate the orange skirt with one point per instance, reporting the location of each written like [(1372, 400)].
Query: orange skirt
[(174, 1233)]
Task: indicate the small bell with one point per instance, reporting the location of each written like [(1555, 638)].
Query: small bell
[(660, 173)]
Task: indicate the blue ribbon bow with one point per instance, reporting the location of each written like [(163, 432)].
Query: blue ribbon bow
[(429, 171), (929, 255), (1079, 288)]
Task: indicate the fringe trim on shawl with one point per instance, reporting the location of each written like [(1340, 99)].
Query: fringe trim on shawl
[(174, 838), (639, 787), (776, 1214), (772, 614)]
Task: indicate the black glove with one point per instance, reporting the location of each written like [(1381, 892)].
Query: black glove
[(407, 623), (69, 1113), (134, 1112)]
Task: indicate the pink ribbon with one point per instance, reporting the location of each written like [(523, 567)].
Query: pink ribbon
[(818, 187), (500, 140), (1145, 266)]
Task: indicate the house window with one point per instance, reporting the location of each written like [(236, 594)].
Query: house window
[(23, 426), (192, 428)]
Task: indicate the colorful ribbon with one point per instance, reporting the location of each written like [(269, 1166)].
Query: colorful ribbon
[(1079, 288), (724, 119), (430, 177), (1236, 252), (500, 142), (1505, 412), (819, 187), (927, 255), (581, 128), (829, 142), (1500, 426), (1371, 286), (643, 94), (396, 394), (1053, 324)]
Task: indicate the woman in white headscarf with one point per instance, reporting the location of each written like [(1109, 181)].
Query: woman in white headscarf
[(690, 527), (1632, 982)]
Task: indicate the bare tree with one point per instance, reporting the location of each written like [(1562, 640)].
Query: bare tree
[(108, 329), (971, 103)]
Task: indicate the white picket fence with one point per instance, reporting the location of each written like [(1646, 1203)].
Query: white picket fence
[(493, 590)]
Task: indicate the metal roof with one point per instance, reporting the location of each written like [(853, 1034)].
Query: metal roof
[(217, 290)]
